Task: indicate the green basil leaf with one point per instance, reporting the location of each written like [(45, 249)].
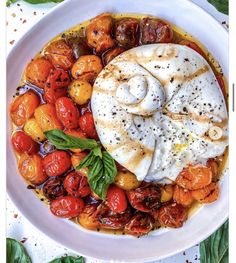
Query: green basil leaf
[(221, 5), (64, 141), (97, 151), (68, 259), (16, 253), (215, 248), (9, 2), (87, 161)]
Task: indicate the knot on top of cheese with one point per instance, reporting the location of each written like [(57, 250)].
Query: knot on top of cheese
[(141, 95), (158, 108)]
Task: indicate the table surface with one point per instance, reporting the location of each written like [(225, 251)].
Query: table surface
[(20, 17)]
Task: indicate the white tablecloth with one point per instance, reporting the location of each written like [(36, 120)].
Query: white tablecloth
[(20, 17)]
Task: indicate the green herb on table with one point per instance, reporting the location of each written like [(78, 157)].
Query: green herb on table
[(9, 2), (16, 252), (68, 259), (102, 167), (221, 5), (215, 248)]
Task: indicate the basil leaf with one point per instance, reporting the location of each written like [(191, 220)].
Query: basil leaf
[(16, 253), (68, 259), (215, 248), (87, 161), (9, 2), (97, 151), (42, 1), (64, 141), (221, 5)]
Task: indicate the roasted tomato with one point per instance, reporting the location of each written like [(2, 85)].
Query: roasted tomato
[(76, 160), (23, 143), (23, 107), (167, 193), (98, 33), (145, 198), (153, 30), (192, 45), (60, 54), (37, 71), (77, 185), (116, 199), (33, 129), (87, 68), (127, 180), (194, 177), (46, 117), (111, 220), (207, 194), (182, 196), (78, 134), (140, 224), (211, 163), (127, 32), (87, 218), (31, 168), (67, 206), (56, 85), (67, 113), (86, 124), (54, 188), (56, 163), (220, 80), (111, 54), (172, 215)]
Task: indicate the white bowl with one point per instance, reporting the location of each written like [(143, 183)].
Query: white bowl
[(158, 244)]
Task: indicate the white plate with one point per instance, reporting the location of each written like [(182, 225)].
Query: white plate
[(159, 244)]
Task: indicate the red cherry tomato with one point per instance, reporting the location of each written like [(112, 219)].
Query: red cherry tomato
[(116, 199), (86, 124), (221, 83), (67, 206), (23, 143), (67, 112), (56, 85), (192, 45), (76, 185), (56, 163)]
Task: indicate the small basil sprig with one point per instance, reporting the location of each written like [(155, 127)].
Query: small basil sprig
[(16, 252), (9, 2), (68, 259), (102, 167), (221, 5)]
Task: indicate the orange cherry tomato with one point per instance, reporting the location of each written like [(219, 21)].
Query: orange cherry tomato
[(56, 163), (116, 199), (67, 112), (77, 185), (23, 143), (220, 80), (86, 124), (182, 196), (211, 163), (78, 134), (37, 71), (23, 107), (60, 54), (192, 45), (31, 168), (111, 54), (76, 160), (67, 206), (194, 177), (56, 85), (207, 194)]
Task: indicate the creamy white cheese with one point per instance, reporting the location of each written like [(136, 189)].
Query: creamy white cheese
[(157, 108)]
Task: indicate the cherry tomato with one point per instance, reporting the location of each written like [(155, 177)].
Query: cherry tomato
[(76, 160), (37, 71), (54, 188), (23, 107), (31, 168), (23, 143), (67, 113), (211, 163), (56, 163), (116, 199), (192, 45), (87, 218), (67, 206), (77, 185), (56, 85), (220, 80), (86, 124), (111, 54)]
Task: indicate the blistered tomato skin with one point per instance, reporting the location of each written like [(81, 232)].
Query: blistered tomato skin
[(111, 54), (56, 85), (54, 188), (23, 143), (86, 124), (33, 129), (67, 113), (31, 168), (56, 163), (76, 160), (37, 71), (76, 185), (116, 199), (23, 107), (67, 206), (192, 45)]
